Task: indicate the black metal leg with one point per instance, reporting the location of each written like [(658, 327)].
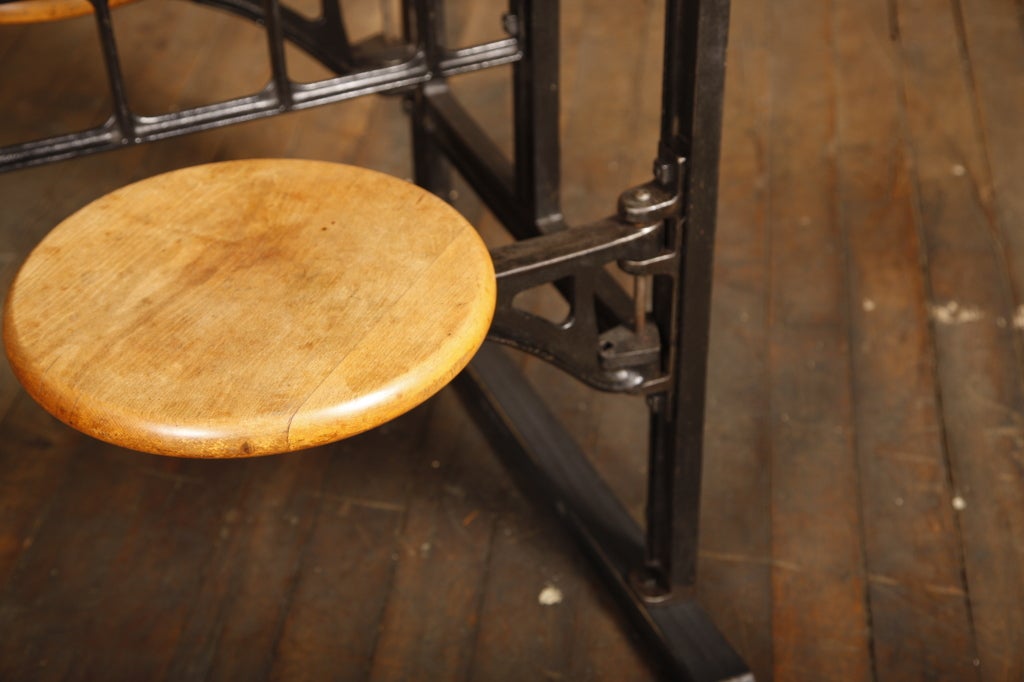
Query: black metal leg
[(651, 571), (555, 472), (691, 130), (536, 86)]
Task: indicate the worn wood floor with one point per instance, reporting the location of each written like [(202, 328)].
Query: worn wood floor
[(864, 488)]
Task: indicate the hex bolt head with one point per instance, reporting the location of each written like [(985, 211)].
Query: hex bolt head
[(510, 22)]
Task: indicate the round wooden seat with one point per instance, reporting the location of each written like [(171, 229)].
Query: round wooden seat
[(33, 11), (248, 308)]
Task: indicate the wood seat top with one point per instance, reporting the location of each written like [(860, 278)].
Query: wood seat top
[(248, 308), (33, 11)]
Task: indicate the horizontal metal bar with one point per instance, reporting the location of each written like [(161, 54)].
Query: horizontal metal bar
[(151, 128), (552, 256), (382, 80), (375, 81), (484, 56), (58, 148), (261, 105), (550, 467)]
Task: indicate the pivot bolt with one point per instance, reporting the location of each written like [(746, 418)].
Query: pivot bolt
[(510, 22)]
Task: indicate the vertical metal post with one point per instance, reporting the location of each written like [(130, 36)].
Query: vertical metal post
[(535, 23), (695, 40), (424, 25), (275, 46), (122, 112), (331, 19)]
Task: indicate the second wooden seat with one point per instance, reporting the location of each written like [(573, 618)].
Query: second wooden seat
[(33, 11)]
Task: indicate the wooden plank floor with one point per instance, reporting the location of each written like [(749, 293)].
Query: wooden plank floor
[(863, 515)]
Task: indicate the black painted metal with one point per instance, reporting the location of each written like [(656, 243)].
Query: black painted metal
[(122, 115), (424, 27), (577, 344), (553, 469), (654, 576), (279, 82), (324, 38), (536, 109), (383, 70), (494, 178), (663, 235), (695, 44)]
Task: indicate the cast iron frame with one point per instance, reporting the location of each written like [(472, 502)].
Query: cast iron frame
[(662, 234)]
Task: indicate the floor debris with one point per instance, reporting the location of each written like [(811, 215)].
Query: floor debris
[(953, 313), (549, 596)]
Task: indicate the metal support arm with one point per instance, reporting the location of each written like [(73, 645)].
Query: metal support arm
[(577, 344)]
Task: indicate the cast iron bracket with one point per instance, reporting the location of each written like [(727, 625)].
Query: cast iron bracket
[(618, 359)]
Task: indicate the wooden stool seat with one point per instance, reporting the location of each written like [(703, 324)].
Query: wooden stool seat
[(248, 308), (33, 11)]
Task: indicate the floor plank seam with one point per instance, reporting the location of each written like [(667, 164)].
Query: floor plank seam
[(851, 356), (933, 350)]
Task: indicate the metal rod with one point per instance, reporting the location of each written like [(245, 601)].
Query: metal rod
[(475, 57), (536, 110), (425, 26), (275, 47), (702, 109), (692, 102), (122, 111)]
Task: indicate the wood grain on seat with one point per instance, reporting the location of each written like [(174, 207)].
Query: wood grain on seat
[(248, 308)]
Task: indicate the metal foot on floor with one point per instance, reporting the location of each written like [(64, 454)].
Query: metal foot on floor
[(552, 469)]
